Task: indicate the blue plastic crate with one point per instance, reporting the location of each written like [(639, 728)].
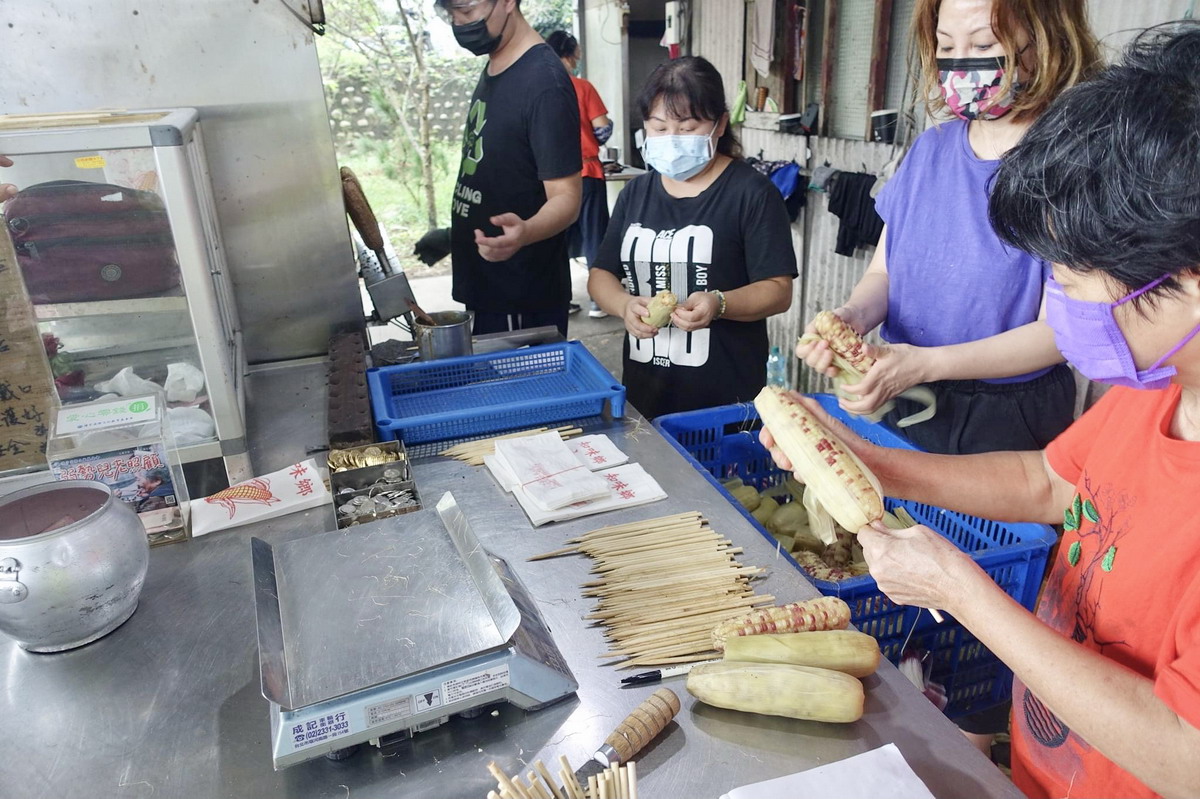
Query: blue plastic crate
[(723, 443), (477, 395)]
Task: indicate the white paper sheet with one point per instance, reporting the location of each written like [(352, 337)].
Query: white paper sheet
[(548, 473), (298, 487), (880, 772), (628, 485), (597, 452)]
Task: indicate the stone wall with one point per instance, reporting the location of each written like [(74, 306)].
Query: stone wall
[(353, 115)]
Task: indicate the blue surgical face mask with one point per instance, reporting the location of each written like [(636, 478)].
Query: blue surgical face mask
[(681, 156)]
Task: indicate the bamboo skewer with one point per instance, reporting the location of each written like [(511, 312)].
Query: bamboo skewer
[(660, 586), (615, 782), (472, 452)]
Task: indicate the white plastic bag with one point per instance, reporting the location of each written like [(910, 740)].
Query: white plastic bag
[(191, 426), (128, 384), (184, 382)]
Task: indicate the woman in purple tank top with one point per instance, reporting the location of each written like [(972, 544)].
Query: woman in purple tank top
[(958, 309)]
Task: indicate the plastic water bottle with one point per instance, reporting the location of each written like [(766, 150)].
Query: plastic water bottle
[(776, 369)]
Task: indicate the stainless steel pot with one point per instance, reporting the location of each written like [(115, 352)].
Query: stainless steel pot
[(72, 562)]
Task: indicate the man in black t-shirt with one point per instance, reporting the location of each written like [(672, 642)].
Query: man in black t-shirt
[(518, 186)]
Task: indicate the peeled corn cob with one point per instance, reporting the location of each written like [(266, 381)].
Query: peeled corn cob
[(747, 496), (849, 652), (838, 480), (823, 613), (844, 341), (820, 569), (660, 308), (852, 359), (778, 689), (765, 510)]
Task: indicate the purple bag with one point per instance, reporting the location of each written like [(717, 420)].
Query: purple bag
[(78, 241)]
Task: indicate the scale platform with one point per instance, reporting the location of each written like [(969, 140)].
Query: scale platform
[(391, 628)]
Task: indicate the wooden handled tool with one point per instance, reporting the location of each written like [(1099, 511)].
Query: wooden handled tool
[(630, 736), (360, 213)]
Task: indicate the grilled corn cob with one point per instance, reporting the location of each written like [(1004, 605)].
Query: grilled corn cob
[(823, 613), (660, 308), (852, 359), (837, 479)]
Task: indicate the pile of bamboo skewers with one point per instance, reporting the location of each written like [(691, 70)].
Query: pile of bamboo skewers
[(472, 452), (615, 782), (662, 585)]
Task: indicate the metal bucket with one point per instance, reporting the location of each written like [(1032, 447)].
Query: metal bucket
[(449, 338), (73, 560)]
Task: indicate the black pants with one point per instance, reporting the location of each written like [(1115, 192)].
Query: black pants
[(972, 417), (496, 322), (586, 233)]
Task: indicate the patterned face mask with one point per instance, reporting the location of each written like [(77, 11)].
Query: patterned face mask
[(971, 87)]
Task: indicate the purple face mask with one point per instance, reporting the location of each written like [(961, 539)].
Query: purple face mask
[(1087, 334)]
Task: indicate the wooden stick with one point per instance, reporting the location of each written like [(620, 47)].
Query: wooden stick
[(545, 774), (535, 785), (632, 780), (505, 783), (645, 524), (569, 776), (524, 791)]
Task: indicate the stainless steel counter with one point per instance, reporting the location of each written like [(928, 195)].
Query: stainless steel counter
[(169, 704)]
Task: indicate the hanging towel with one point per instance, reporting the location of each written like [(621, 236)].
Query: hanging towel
[(762, 42)]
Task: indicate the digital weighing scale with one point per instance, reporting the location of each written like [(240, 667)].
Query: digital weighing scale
[(390, 628)]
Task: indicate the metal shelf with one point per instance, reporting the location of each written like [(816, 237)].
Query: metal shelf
[(72, 310)]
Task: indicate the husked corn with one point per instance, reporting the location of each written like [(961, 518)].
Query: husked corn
[(844, 341), (849, 652), (834, 475), (660, 308), (777, 689), (822, 613)]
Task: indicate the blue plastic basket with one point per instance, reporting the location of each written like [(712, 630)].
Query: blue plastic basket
[(723, 443), (476, 395)]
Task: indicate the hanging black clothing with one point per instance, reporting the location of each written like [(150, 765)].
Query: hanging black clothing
[(851, 201)]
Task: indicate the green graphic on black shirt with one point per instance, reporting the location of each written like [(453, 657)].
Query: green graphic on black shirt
[(473, 138)]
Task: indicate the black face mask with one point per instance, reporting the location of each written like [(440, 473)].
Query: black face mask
[(475, 37)]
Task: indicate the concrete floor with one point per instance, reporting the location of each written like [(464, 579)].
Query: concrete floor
[(603, 337)]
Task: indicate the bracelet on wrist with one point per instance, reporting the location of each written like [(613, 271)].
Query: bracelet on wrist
[(720, 295)]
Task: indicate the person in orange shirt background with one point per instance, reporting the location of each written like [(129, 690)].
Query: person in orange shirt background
[(584, 237)]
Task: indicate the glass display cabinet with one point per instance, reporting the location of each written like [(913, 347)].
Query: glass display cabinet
[(115, 236)]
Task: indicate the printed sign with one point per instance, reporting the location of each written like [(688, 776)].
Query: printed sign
[(473, 685), (100, 415), (26, 385), (428, 700), (389, 711), (139, 476), (323, 728)]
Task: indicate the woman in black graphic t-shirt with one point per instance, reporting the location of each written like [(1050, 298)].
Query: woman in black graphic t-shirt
[(706, 227)]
